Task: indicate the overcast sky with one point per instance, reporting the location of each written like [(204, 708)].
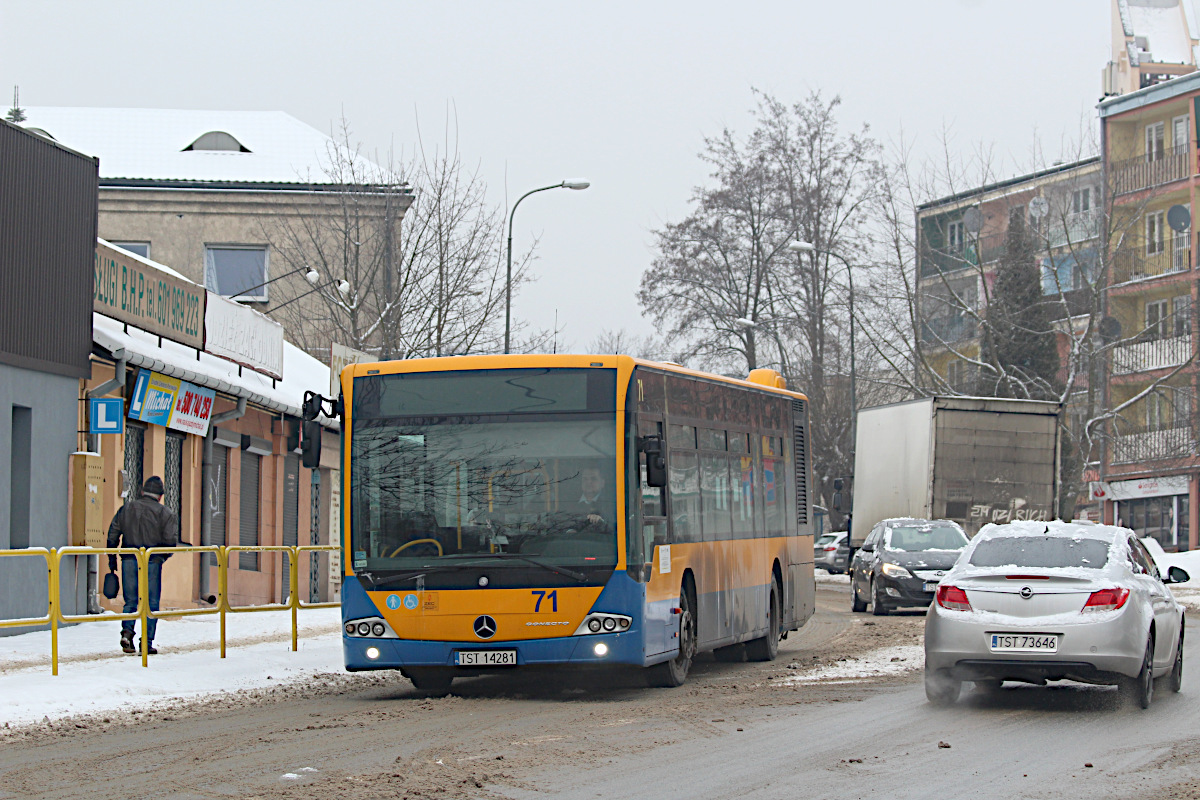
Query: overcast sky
[(618, 93)]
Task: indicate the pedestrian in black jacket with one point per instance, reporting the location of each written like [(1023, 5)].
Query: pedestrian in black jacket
[(144, 522)]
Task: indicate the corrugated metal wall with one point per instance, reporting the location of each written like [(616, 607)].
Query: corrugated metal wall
[(48, 206)]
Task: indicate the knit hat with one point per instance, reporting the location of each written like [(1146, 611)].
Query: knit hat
[(154, 486)]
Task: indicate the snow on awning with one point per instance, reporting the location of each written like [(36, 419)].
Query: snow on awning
[(142, 349)]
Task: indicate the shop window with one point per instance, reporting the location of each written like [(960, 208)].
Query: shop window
[(248, 533), (236, 271)]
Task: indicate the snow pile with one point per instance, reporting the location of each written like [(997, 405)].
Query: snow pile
[(875, 664), (821, 576), (95, 677)]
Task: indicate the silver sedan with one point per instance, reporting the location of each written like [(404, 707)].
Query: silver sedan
[(1038, 602)]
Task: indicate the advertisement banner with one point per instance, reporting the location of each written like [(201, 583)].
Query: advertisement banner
[(136, 291), (1148, 487), (171, 403), (243, 336)]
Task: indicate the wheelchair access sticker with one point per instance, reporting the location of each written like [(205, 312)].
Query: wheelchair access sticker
[(410, 601)]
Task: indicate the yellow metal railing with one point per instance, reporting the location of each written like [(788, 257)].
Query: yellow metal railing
[(54, 616)]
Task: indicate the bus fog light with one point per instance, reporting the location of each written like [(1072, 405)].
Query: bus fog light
[(372, 653), (610, 624), (601, 649)]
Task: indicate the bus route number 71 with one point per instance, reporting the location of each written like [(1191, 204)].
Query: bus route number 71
[(542, 594)]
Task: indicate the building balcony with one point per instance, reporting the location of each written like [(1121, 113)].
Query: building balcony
[(1151, 355), (1135, 174), (1153, 259), (948, 330), (1152, 445), (1074, 229)]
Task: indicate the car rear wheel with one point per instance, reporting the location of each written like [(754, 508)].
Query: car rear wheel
[(878, 604), (1176, 680), (856, 604), (766, 648), (1141, 688), (941, 689)]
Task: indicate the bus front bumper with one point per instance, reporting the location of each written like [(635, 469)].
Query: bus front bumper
[(617, 648)]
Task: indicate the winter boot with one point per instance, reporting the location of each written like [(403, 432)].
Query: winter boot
[(149, 648), (127, 641)]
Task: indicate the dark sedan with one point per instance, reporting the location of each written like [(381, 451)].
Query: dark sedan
[(901, 563)]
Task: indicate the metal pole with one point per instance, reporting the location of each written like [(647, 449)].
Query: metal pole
[(508, 276), (314, 537)]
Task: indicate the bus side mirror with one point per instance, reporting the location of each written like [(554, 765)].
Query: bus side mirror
[(656, 462), (310, 444)]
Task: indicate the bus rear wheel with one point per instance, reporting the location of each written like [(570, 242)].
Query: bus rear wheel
[(433, 681), (766, 648), (670, 674)]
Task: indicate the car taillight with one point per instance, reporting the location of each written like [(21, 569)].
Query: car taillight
[(1106, 600), (829, 548), (953, 598)]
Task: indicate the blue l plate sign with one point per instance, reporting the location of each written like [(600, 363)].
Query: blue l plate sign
[(106, 415)]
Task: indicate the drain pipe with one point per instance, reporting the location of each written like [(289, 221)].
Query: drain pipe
[(93, 562), (206, 496)]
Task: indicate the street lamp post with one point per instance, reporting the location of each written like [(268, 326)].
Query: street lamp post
[(576, 185), (807, 247)]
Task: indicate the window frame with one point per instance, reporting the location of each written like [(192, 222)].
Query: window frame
[(128, 244), (1155, 243), (259, 295), (1155, 140), (1176, 126)]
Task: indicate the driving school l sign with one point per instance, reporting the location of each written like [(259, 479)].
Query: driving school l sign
[(171, 402)]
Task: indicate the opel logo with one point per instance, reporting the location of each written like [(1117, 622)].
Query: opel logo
[(485, 627), (1026, 592), (940, 573)]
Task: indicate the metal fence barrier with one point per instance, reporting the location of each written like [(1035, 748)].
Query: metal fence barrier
[(54, 615)]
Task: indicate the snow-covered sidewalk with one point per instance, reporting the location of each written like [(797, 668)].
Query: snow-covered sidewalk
[(95, 677)]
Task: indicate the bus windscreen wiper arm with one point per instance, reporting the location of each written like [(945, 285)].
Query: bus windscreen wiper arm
[(570, 573)]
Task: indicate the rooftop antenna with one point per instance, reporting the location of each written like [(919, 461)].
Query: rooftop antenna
[(16, 113)]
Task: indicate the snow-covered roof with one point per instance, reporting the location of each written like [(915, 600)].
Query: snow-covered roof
[(1165, 28), (141, 349), (150, 143)]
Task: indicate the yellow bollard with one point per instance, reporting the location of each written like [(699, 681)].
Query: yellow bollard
[(52, 607), (223, 589), (294, 581), (144, 602)]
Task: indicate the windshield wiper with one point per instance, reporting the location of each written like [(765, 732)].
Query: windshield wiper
[(570, 573)]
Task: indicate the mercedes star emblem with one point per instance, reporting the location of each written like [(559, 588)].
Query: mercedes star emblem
[(1026, 592), (485, 627)]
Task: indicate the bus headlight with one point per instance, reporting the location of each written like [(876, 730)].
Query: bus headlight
[(594, 625), (610, 624), (607, 623), (371, 627)]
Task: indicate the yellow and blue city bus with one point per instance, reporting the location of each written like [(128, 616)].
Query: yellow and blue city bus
[(503, 512)]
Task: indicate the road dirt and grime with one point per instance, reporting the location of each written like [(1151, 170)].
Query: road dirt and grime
[(734, 729)]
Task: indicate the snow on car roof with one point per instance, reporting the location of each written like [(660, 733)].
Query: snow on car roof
[(1053, 528)]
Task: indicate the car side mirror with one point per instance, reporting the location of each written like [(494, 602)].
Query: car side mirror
[(868, 548), (1177, 575)]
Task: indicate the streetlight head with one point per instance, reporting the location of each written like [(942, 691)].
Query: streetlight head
[(742, 322), (799, 246), (343, 286), (312, 276), (576, 185)]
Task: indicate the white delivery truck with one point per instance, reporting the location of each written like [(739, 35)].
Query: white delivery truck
[(973, 460)]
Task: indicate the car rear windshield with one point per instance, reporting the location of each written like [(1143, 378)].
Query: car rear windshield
[(826, 539), (926, 537), (1040, 551)]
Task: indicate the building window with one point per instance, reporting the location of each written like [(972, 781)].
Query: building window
[(1154, 233), (955, 236), (1154, 141), (1181, 311), (954, 374), (1179, 134), (1081, 200), (231, 270), (1158, 319), (137, 248)]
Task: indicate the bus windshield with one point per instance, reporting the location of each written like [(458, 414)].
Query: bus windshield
[(484, 467)]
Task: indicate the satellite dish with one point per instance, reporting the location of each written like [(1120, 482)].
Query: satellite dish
[(1179, 218), (972, 220), (1110, 330), (1038, 207)]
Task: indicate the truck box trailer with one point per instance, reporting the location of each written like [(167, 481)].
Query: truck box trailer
[(973, 460)]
